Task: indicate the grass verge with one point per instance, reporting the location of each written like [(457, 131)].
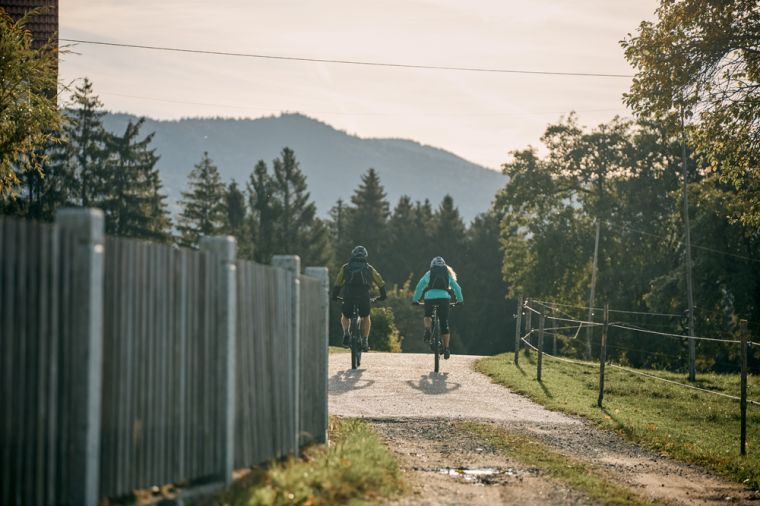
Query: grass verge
[(338, 349), (355, 468), (581, 476), (674, 421)]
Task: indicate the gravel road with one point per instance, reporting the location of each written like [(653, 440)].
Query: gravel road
[(401, 396)]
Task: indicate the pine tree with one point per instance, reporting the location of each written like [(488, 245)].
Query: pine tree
[(448, 237), (297, 230), (404, 261), (204, 210), (29, 115), (131, 195), (366, 220), (261, 219), (81, 159), (236, 217), (482, 321)]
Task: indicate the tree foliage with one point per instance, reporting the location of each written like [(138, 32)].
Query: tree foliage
[(29, 117), (701, 58), (130, 187), (204, 210), (547, 236)]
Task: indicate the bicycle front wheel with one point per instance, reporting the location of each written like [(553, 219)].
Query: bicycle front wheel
[(356, 345)]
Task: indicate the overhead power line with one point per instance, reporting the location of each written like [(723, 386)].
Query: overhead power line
[(347, 62)]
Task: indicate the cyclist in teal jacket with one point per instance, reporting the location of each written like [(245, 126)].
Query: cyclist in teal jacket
[(434, 286)]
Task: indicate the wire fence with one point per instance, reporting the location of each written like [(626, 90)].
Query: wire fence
[(547, 309)]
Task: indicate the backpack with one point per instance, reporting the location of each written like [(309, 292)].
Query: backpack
[(439, 278), (357, 274)]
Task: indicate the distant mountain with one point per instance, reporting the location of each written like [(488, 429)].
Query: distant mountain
[(332, 160)]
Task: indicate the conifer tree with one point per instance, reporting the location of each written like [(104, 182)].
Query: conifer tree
[(448, 234), (282, 218), (29, 115), (366, 220), (130, 195), (403, 233), (80, 163), (261, 219), (204, 206), (236, 217)]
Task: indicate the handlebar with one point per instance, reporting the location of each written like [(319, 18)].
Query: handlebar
[(372, 300), (451, 304)]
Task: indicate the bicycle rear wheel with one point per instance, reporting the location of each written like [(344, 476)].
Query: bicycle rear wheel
[(437, 346), (356, 345)]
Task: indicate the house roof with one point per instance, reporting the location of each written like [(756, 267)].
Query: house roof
[(44, 25)]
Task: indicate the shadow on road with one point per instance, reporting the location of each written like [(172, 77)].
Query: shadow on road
[(434, 384), (350, 379)]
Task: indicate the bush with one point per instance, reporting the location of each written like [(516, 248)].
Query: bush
[(384, 335)]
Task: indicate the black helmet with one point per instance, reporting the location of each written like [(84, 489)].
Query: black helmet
[(359, 252)]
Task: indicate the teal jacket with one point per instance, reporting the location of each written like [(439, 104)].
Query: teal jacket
[(436, 293)]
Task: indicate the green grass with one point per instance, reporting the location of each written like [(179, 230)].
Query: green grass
[(582, 477), (356, 468), (692, 426), (338, 349)]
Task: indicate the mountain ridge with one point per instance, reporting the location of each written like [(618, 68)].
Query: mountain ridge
[(333, 160)]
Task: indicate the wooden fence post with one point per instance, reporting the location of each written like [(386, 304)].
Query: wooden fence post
[(528, 321), (323, 275), (518, 322), (540, 343), (222, 251), (554, 338), (292, 264), (743, 402), (82, 265), (603, 356)]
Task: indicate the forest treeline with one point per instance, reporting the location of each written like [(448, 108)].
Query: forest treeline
[(536, 239)]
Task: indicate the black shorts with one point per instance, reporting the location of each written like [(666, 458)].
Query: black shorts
[(443, 312), (362, 303)]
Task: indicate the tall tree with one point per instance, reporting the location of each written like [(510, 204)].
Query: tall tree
[(29, 117), (130, 195), (84, 151), (701, 60), (283, 216), (448, 237), (263, 213), (403, 259), (236, 215), (203, 205), (367, 220), (483, 321)]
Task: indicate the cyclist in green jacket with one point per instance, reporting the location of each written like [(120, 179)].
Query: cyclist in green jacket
[(434, 286), (356, 277)]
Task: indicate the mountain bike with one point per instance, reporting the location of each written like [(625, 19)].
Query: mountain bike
[(436, 344), (354, 331)]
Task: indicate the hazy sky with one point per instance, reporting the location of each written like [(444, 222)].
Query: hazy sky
[(480, 117)]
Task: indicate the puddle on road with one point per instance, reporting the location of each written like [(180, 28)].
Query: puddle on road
[(481, 474)]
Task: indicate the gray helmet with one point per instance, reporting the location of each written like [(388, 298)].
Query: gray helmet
[(359, 252), (437, 262)]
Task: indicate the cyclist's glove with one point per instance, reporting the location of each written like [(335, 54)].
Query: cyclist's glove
[(335, 292), (383, 295)]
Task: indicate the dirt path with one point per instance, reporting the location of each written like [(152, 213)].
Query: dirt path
[(413, 410)]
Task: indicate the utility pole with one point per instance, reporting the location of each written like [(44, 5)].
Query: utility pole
[(687, 255), (589, 329)]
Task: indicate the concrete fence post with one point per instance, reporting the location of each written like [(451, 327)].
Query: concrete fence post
[(323, 275), (223, 255), (292, 264), (82, 262)]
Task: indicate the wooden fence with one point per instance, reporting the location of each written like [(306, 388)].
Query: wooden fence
[(127, 364)]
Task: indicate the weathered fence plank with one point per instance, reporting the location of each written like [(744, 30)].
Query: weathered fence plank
[(115, 370)]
